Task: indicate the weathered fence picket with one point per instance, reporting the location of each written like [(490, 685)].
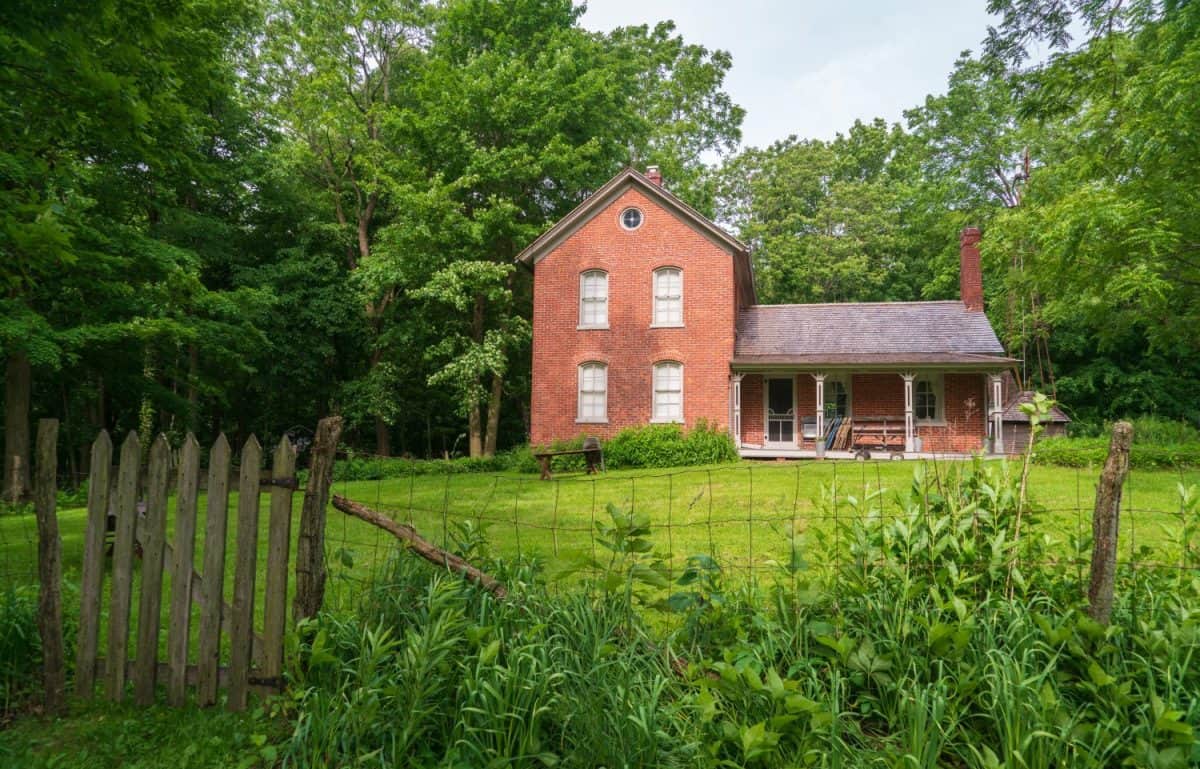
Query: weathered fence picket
[(283, 467), (140, 531), (240, 640), (212, 596), (145, 670), (181, 571), (122, 565), (92, 583)]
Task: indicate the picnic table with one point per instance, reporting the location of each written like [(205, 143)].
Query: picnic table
[(591, 451)]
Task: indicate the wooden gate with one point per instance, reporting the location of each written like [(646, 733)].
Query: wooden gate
[(138, 531)]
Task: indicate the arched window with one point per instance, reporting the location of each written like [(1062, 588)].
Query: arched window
[(668, 392), (668, 296), (593, 299), (593, 392), (927, 399)]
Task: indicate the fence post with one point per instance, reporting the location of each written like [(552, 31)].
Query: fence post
[(1106, 521), (50, 619), (310, 546)]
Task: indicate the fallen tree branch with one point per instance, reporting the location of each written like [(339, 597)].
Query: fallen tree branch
[(421, 546)]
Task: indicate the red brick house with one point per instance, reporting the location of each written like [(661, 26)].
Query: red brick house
[(645, 311)]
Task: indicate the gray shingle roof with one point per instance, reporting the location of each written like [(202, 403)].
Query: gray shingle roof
[(1013, 413), (872, 332)]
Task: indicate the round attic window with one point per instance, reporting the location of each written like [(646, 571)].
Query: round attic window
[(631, 218)]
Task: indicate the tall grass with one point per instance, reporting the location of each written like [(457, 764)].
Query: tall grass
[(936, 638)]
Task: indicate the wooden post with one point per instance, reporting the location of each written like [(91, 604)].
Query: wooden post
[(181, 571), (122, 565), (145, 670), (241, 626), (50, 621), (279, 536), (212, 587), (310, 547), (92, 584), (1106, 521)]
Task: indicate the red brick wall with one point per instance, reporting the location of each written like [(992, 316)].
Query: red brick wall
[(882, 395), (630, 347), (964, 430)]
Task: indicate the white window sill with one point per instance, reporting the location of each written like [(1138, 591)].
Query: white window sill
[(591, 421), (585, 327), (666, 421), (929, 423), (666, 325)]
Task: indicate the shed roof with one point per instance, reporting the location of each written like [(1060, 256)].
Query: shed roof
[(868, 333), (1013, 413)]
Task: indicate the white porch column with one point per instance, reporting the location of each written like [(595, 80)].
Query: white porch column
[(735, 421), (997, 413), (820, 379), (910, 444)]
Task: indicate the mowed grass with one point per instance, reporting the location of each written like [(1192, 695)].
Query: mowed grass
[(747, 515)]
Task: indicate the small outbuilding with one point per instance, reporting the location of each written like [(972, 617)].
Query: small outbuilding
[(1016, 423)]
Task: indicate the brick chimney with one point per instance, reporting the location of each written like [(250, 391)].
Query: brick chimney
[(970, 272), (654, 175)]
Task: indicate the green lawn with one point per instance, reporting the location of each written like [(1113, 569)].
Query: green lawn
[(745, 514)]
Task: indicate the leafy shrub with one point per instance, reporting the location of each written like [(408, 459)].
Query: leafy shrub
[(1147, 429), (1090, 452), (669, 446), (20, 644)]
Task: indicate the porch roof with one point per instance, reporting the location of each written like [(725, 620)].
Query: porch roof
[(874, 361), (879, 334)]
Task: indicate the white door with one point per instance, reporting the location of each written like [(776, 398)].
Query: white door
[(780, 409)]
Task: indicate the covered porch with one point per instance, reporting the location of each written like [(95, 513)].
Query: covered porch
[(903, 409)]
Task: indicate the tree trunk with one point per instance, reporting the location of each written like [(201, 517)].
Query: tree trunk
[(493, 416), (18, 386), (475, 430), (383, 438)]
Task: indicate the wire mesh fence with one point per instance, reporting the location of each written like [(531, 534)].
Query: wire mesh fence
[(752, 519)]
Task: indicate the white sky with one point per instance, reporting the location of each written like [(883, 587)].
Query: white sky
[(811, 68)]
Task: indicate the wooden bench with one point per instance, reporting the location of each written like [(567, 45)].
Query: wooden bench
[(591, 451), (882, 433)]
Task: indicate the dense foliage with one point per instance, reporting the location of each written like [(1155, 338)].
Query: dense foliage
[(933, 637)]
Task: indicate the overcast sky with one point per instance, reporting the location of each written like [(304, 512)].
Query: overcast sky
[(811, 68)]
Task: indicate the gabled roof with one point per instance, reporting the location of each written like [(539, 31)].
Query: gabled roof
[(869, 333), (613, 189), (1013, 413)]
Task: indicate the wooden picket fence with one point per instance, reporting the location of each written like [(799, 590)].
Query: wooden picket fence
[(255, 661)]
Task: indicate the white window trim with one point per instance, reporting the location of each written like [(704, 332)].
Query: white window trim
[(654, 392), (621, 218), (579, 417), (938, 381), (654, 297), (848, 381), (592, 326)]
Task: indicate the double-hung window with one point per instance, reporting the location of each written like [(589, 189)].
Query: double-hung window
[(668, 392), (593, 393), (668, 297), (927, 399), (593, 299)]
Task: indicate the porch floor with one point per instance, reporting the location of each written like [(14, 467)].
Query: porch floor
[(759, 452)]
